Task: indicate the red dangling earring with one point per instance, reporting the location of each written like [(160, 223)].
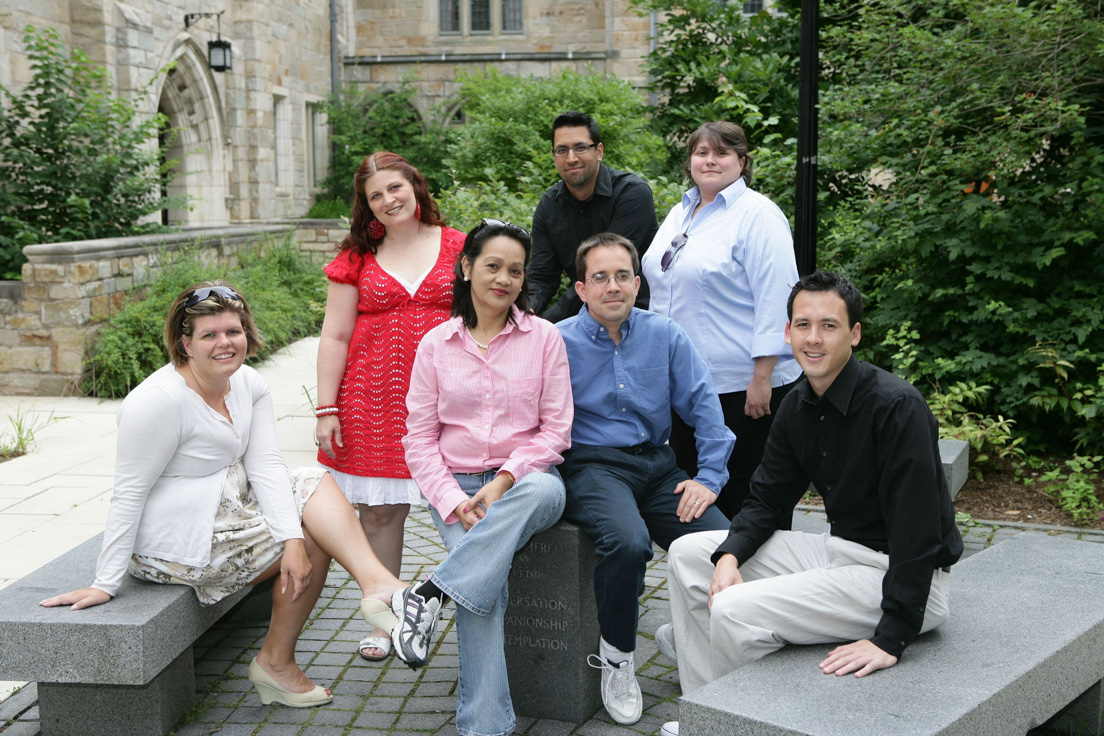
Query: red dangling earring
[(376, 230), (418, 212)]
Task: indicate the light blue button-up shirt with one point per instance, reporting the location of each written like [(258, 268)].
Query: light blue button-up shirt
[(728, 286), (624, 393)]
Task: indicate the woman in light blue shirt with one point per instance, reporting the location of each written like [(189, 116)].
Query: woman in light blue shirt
[(721, 266)]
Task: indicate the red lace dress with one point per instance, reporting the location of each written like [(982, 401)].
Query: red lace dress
[(392, 317)]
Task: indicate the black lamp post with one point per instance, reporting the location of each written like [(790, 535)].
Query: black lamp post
[(806, 203), (220, 55)]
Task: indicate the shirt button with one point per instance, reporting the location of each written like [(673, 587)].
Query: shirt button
[(824, 454), (486, 426), (622, 408), (616, 352), (620, 385), (822, 419), (486, 396)]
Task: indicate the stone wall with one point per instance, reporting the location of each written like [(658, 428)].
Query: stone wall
[(396, 38), (69, 290)]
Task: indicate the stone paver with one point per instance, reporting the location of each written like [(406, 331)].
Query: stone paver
[(56, 498)]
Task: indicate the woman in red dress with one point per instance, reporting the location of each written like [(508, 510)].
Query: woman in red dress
[(389, 284)]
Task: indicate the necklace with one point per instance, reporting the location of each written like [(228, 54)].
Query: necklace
[(478, 344)]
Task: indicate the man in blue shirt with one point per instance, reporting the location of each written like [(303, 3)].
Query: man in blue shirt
[(629, 370)]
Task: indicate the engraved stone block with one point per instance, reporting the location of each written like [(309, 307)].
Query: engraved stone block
[(552, 625)]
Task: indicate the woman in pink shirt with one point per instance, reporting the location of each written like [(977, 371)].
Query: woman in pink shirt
[(490, 413)]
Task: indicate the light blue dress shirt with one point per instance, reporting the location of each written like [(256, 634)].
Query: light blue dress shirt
[(624, 393), (728, 286)]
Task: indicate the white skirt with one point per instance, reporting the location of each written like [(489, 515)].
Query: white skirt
[(372, 491)]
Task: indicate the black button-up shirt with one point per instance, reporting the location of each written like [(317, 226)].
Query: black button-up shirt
[(871, 447), (621, 203)]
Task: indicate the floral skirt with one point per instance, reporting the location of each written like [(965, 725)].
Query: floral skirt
[(242, 546)]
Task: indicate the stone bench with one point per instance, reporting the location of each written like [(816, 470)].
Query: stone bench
[(1025, 639), (552, 622), (124, 668)]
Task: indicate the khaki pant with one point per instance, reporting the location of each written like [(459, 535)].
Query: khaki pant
[(798, 589)]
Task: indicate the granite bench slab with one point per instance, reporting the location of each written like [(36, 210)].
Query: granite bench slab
[(1025, 639), (123, 668)]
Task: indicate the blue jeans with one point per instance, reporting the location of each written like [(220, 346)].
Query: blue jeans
[(475, 575), (624, 500)]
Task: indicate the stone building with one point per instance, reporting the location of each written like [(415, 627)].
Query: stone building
[(252, 143)]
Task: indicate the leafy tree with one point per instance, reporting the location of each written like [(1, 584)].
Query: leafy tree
[(77, 162), (964, 148), (711, 62), (509, 124), (364, 122)]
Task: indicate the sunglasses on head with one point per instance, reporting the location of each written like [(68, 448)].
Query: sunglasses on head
[(503, 224), (205, 293)]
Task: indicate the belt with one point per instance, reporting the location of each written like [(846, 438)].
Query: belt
[(637, 449)]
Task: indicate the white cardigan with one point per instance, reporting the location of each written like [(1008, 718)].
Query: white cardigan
[(172, 457)]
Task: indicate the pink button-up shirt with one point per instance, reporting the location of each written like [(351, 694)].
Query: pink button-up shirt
[(470, 412)]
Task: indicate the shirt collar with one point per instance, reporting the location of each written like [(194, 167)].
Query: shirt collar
[(522, 321), (841, 390), (592, 329), (728, 195)]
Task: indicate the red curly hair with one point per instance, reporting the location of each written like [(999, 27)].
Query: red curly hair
[(360, 239)]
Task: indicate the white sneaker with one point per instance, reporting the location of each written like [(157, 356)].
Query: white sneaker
[(665, 640), (670, 728), (620, 690)]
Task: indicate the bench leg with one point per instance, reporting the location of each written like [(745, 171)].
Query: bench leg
[(68, 709), (1085, 715)]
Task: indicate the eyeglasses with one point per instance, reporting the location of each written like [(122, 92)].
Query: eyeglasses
[(205, 293), (673, 249), (503, 224), (580, 149), (621, 278)]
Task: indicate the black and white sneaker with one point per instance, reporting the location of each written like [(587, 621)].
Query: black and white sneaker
[(418, 618)]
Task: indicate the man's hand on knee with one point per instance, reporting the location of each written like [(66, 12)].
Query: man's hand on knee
[(726, 575), (696, 498), (861, 657)]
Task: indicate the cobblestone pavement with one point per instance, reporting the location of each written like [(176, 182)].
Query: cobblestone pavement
[(388, 698)]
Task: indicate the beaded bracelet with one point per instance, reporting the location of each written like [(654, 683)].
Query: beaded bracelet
[(322, 411)]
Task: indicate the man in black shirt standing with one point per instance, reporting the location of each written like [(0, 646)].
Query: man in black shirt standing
[(591, 198), (868, 442)]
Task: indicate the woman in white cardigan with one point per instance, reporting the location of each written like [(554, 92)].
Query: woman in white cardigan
[(202, 496)]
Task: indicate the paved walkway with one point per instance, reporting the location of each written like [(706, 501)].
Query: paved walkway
[(57, 497)]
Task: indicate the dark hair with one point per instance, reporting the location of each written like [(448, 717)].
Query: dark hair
[(360, 239), (575, 119), (596, 241), (720, 136), (180, 320), (462, 305), (828, 281)]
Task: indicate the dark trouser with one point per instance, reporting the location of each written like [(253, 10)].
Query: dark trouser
[(624, 499), (751, 439)]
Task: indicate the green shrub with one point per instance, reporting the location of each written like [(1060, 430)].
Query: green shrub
[(711, 62), (365, 122), (509, 124), (963, 147), (77, 162), (286, 293), (329, 208)]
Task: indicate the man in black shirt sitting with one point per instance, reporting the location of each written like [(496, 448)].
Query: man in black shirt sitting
[(868, 442), (591, 198)]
